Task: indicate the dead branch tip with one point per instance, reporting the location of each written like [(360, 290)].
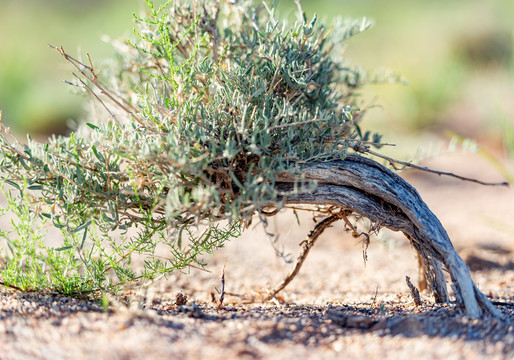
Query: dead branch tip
[(393, 162)]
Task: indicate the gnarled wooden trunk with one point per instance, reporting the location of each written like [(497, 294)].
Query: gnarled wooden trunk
[(363, 186)]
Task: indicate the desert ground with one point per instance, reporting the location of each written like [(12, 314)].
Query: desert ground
[(337, 307)]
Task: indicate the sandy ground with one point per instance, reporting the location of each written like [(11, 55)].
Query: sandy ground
[(337, 307)]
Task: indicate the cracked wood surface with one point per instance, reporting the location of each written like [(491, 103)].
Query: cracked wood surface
[(367, 188)]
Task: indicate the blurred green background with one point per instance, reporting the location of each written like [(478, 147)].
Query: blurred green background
[(456, 55), (32, 95)]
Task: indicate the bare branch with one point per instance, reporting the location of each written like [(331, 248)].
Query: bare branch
[(365, 150), (93, 78), (308, 243)]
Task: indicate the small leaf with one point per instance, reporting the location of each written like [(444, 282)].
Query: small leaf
[(13, 184), (81, 227), (58, 226), (84, 238), (98, 155)]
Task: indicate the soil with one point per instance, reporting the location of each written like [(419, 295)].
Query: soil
[(337, 307)]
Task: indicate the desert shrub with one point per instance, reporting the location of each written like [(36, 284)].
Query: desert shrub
[(204, 107)]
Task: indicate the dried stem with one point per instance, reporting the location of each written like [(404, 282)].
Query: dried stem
[(414, 292), (307, 246), (365, 149), (10, 286), (89, 73)]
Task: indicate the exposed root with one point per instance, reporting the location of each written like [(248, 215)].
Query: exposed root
[(356, 235), (414, 292), (308, 243)]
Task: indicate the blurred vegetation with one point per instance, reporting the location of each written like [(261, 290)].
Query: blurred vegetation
[(32, 96), (457, 57)]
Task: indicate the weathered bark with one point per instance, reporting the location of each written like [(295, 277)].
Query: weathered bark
[(367, 188)]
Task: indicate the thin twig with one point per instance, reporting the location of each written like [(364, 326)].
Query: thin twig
[(307, 245), (414, 292), (93, 77), (84, 85), (10, 286), (300, 10), (245, 12), (365, 149), (356, 235), (222, 293), (375, 297)]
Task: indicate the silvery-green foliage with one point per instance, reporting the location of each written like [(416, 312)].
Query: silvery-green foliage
[(208, 104)]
